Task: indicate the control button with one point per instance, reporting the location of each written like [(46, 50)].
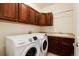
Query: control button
[(35, 38)]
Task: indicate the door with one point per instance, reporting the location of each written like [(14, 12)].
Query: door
[(37, 18), (45, 45), (9, 11), (53, 44), (76, 29), (23, 13), (49, 19), (45, 19), (32, 16), (66, 46), (1, 10), (42, 19)]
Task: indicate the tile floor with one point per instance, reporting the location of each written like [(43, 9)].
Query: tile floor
[(51, 54)]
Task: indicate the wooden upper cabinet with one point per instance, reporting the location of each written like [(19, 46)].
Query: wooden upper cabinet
[(45, 19), (32, 16), (9, 11), (24, 15)]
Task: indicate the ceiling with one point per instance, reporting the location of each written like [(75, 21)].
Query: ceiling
[(42, 5)]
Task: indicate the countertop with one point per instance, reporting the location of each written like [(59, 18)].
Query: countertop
[(67, 35)]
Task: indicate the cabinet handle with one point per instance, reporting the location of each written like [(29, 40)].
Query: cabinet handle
[(75, 44)]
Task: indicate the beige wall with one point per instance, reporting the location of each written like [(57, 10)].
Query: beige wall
[(33, 6), (63, 21)]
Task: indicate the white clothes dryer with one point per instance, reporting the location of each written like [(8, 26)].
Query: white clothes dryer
[(22, 45), (43, 42)]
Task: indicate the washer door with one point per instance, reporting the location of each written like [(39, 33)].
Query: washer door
[(32, 50)]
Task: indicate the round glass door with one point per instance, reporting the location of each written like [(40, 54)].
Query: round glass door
[(44, 45), (31, 52)]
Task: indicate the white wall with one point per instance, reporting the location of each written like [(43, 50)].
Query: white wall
[(63, 21), (33, 6)]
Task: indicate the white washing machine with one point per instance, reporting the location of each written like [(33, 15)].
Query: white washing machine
[(43, 42), (22, 45)]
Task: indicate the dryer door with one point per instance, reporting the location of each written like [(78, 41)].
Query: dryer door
[(32, 50), (44, 46)]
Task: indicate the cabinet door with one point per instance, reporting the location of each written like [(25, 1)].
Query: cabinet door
[(37, 18), (24, 13), (49, 19), (66, 46), (45, 19), (32, 16), (53, 44), (1, 10), (42, 19), (9, 11), (61, 46)]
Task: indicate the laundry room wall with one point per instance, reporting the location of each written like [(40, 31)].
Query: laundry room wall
[(33, 5), (63, 18)]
